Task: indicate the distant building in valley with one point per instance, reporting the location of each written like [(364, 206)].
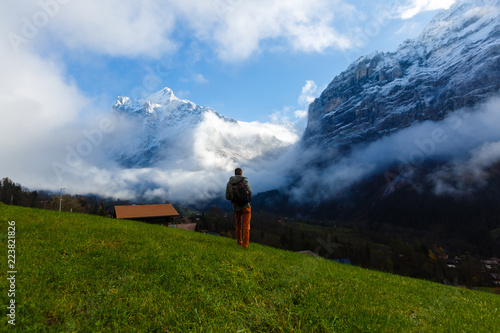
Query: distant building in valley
[(158, 214)]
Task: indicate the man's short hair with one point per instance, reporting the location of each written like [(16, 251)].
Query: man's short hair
[(238, 172)]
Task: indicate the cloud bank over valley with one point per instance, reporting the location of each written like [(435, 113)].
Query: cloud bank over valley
[(187, 162), (467, 141)]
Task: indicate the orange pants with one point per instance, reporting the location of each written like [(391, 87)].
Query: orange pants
[(243, 226)]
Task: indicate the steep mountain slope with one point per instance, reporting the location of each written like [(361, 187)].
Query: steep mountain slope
[(404, 137), (454, 63)]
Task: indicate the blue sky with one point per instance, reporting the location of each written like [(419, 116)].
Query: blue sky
[(64, 62)]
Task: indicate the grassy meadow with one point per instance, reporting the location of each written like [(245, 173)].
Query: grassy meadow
[(84, 273)]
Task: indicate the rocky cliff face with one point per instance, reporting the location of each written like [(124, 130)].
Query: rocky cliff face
[(455, 62)]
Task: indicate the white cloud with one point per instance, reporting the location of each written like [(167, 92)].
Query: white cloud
[(307, 95), (116, 27), (113, 27), (235, 29), (300, 114), (282, 117), (240, 28), (292, 117), (410, 29), (463, 177), (417, 6), (40, 109), (196, 78), (218, 141), (199, 78)]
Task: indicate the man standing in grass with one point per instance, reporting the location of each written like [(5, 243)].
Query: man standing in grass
[(239, 192)]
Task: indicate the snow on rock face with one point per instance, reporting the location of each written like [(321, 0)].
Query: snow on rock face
[(454, 63), (165, 130)]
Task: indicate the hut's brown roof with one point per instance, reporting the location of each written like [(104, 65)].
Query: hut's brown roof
[(141, 211)]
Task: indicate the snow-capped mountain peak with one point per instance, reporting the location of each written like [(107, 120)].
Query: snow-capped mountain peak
[(163, 96), (453, 63), (159, 106), (163, 127)]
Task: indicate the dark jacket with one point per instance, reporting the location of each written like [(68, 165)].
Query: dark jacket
[(234, 180)]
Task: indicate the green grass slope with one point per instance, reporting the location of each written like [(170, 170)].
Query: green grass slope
[(82, 273)]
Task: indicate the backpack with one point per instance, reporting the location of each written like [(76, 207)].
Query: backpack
[(240, 195)]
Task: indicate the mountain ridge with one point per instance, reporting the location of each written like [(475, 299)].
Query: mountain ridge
[(423, 79)]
